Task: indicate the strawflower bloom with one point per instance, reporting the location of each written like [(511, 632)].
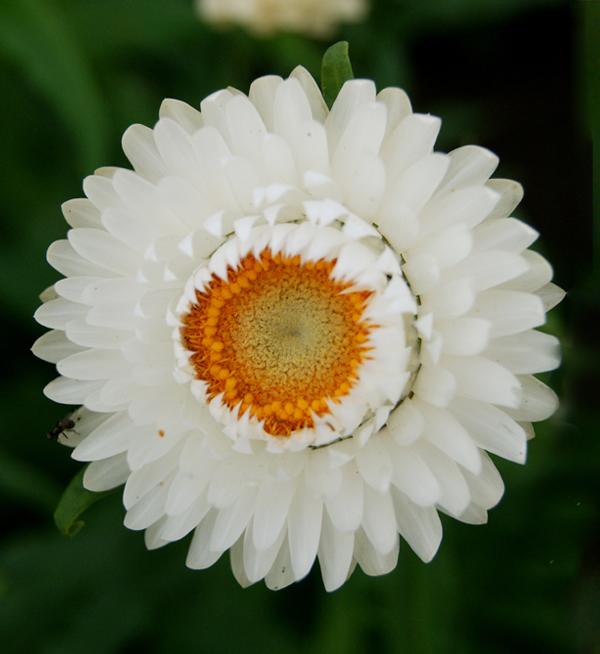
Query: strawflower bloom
[(296, 332), (313, 17)]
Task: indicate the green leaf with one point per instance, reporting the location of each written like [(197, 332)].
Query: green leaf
[(335, 70), (75, 501)]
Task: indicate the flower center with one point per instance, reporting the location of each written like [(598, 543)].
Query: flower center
[(279, 338)]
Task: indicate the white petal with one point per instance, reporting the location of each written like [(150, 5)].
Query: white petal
[(243, 180), (93, 364), (74, 288), (487, 487), (352, 95), (304, 531), (469, 205), (413, 477), (112, 437), (410, 141), (56, 314), (509, 312), (492, 429), (473, 515), (422, 272), (454, 491), (419, 526), (54, 346), (510, 192), (335, 554), (449, 300), (175, 147), (106, 474), (469, 165), (538, 274), (262, 95), (227, 484), (361, 137), (70, 391), (270, 513), (291, 109), (281, 574), (145, 478), (313, 93), (379, 521), (80, 212), (538, 402), (504, 234), (320, 476), (374, 465), (140, 148), (310, 149), (185, 491), (435, 385), (397, 104), (280, 166), (479, 378), (190, 203), (148, 510), (464, 336), (346, 508), (49, 293), (188, 117), (491, 268), (447, 247), (200, 556), (246, 128), (178, 526), (100, 191), (212, 109), (232, 521), (447, 434), (527, 352), (371, 562), (414, 188), (103, 249), (366, 187), (153, 535), (62, 257), (405, 423), (141, 198), (258, 562), (551, 295)]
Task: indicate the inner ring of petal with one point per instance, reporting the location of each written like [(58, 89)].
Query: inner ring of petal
[(279, 338)]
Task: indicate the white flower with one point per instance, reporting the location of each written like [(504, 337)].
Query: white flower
[(315, 17), (297, 332)]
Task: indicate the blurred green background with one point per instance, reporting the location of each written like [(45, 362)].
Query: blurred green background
[(514, 75)]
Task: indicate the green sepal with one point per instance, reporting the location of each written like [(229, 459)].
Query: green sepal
[(75, 501), (336, 69)]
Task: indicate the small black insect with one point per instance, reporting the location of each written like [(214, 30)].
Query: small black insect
[(63, 425)]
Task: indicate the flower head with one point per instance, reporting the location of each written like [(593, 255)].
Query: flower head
[(297, 332), (313, 17)]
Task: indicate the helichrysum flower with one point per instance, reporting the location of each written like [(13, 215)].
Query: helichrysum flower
[(314, 17), (298, 332)]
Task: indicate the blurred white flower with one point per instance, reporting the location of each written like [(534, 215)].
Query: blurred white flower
[(296, 332), (314, 17)]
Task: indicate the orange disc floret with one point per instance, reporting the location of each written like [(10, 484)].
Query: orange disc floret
[(279, 338)]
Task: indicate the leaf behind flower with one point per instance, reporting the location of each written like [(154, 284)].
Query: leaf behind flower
[(336, 69), (75, 501)]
